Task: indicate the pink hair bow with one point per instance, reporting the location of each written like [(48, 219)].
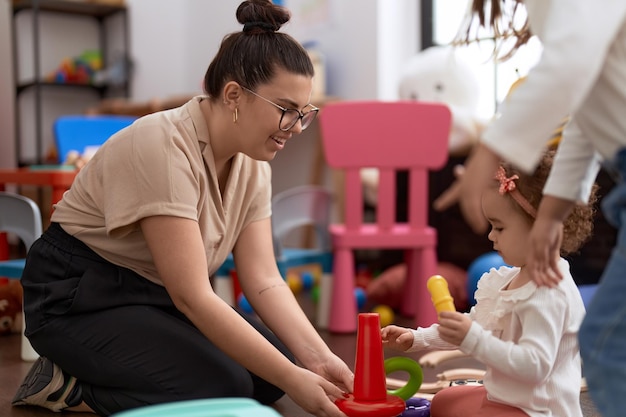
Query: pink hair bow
[(508, 186)]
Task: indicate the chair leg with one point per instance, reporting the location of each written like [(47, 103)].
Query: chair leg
[(325, 294), (343, 308), (416, 302), (324, 300)]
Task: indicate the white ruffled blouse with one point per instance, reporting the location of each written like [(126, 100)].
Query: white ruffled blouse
[(527, 339)]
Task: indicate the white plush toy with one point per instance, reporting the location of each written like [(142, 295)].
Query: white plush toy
[(440, 74)]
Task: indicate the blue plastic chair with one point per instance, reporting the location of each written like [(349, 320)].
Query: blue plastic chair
[(78, 132), (214, 407)]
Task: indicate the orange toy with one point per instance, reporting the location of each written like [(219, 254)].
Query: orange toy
[(440, 294)]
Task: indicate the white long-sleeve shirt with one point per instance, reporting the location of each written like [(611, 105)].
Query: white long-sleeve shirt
[(527, 340), (582, 73)]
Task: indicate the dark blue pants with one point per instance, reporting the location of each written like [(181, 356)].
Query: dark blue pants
[(121, 336), (602, 334)]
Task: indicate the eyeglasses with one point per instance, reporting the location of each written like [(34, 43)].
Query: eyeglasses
[(290, 117)]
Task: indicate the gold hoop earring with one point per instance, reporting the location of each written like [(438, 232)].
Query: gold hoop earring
[(235, 115)]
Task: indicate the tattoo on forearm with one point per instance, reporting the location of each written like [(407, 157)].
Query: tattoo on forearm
[(272, 286)]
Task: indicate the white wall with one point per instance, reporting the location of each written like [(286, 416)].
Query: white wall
[(7, 91), (365, 42), (160, 45)]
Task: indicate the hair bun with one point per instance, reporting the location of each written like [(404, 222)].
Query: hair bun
[(261, 16)]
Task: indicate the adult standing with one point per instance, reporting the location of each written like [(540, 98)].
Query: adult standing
[(581, 73)]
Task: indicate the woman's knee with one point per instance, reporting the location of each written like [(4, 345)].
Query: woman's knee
[(210, 382)]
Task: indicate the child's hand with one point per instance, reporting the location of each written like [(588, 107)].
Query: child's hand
[(398, 338), (453, 326)]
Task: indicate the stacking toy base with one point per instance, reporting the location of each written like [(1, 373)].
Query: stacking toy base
[(389, 407)]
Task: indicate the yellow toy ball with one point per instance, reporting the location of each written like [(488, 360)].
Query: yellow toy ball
[(386, 314)]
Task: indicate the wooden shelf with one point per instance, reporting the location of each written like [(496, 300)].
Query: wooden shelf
[(83, 8), (26, 85)]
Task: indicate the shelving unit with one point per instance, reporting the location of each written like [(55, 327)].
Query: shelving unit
[(100, 13)]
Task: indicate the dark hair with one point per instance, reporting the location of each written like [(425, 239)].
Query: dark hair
[(578, 226), (502, 15), (252, 56)]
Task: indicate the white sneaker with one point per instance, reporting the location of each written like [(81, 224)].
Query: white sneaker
[(46, 385)]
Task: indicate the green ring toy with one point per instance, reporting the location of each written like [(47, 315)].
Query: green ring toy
[(416, 375)]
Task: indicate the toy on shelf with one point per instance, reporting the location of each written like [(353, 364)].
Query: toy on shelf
[(370, 396), (440, 294), (77, 70)]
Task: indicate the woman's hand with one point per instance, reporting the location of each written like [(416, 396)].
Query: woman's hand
[(397, 338), (316, 394), (333, 369), (453, 326)]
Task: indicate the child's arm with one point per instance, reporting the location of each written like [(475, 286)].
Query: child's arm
[(410, 340)]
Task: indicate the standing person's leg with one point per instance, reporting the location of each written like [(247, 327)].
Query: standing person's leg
[(602, 335)]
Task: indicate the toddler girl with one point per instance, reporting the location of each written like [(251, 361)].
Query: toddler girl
[(525, 335)]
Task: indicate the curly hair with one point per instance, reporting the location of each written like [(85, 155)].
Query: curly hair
[(578, 226)]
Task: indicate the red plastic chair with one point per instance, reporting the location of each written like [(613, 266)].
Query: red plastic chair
[(390, 136)]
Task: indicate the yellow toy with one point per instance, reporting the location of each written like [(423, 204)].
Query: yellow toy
[(440, 294)]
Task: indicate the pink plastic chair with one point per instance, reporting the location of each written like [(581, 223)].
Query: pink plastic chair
[(390, 136)]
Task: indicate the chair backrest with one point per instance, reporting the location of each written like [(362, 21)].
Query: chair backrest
[(395, 136), (306, 205), (78, 132), (20, 215)]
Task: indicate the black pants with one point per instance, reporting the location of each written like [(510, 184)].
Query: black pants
[(121, 336)]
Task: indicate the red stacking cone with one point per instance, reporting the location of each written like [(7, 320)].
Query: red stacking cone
[(370, 397)]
